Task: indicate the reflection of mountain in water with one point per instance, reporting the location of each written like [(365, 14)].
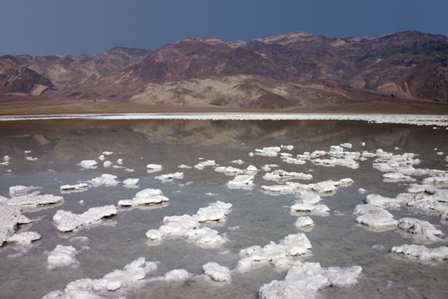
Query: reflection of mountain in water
[(67, 143)]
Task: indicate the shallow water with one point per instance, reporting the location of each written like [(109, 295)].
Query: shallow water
[(256, 219)]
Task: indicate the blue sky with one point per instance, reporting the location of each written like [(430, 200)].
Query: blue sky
[(91, 26)]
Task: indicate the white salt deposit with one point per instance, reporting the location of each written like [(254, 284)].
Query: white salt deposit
[(62, 256), (304, 222), (217, 272), (74, 188), (314, 209), (131, 183), (414, 119), (396, 177), (116, 280), (10, 218), (145, 197), (229, 171), (282, 255), (88, 164), (184, 166), (19, 190), (375, 217), (107, 180), (420, 230), (422, 252), (206, 163), (107, 164), (5, 160), (272, 151), (385, 202), (280, 175), (332, 162), (164, 178), (66, 221), (28, 197), (214, 212), (152, 168), (177, 275), (25, 238), (244, 181), (269, 167), (304, 280), (190, 227)]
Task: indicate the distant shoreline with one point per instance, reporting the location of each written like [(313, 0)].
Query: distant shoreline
[(412, 119)]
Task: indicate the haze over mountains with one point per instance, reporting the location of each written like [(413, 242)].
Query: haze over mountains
[(280, 71)]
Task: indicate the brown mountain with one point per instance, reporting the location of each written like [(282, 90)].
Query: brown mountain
[(288, 70)]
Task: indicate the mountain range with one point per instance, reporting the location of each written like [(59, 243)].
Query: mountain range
[(291, 70)]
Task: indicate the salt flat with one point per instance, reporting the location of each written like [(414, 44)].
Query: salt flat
[(415, 119), (274, 209)]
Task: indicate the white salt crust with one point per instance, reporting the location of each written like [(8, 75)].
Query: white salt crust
[(66, 221)]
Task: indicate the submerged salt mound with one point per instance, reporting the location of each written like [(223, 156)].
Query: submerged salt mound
[(190, 227), (421, 252), (111, 282), (25, 238), (374, 217), (107, 180), (10, 218), (304, 280), (66, 221), (217, 272), (145, 197), (245, 181), (164, 178), (420, 230), (280, 175), (62, 256), (152, 168), (88, 164), (282, 255)]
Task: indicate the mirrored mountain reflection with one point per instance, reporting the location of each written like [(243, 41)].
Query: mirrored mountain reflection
[(65, 143)]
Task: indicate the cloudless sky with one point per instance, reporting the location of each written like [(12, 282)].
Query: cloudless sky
[(90, 26)]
